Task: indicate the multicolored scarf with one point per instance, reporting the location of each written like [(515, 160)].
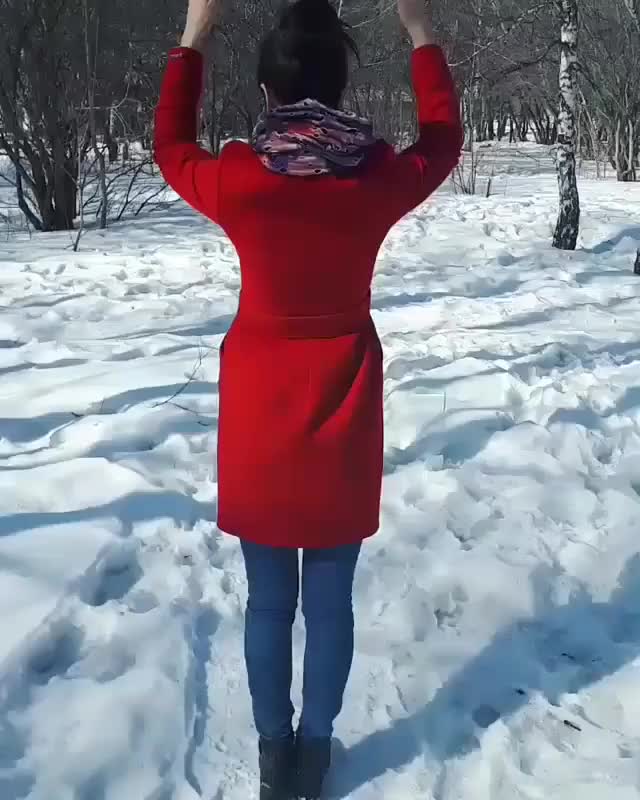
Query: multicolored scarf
[(308, 138)]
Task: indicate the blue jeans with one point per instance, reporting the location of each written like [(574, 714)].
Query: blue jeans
[(327, 581)]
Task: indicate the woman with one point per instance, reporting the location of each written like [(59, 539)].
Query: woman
[(307, 204)]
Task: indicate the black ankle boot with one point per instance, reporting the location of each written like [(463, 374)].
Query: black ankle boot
[(277, 768), (313, 759)]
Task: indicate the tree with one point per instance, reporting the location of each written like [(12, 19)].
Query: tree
[(611, 68), (55, 104), (566, 233), (38, 125)]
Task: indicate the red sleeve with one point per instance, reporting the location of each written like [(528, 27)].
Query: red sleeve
[(417, 172), (189, 169)]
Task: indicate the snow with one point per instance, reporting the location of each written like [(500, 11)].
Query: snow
[(498, 611)]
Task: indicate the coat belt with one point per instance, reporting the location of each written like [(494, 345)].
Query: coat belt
[(321, 326)]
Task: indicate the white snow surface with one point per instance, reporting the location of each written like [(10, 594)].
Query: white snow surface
[(498, 610)]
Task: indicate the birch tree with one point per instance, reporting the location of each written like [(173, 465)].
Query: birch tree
[(566, 233)]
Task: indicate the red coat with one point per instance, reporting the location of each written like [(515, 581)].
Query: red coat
[(300, 444)]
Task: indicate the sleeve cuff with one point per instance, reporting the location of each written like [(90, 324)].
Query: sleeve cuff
[(184, 76), (429, 55), (187, 54)]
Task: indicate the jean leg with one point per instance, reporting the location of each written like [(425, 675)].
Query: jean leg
[(327, 588), (272, 575)]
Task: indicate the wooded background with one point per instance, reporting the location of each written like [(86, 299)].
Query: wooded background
[(79, 80)]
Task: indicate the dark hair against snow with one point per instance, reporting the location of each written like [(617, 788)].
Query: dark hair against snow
[(307, 54)]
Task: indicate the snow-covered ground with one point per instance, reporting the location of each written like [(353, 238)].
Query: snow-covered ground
[(498, 642)]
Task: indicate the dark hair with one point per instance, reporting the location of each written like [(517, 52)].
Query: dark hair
[(307, 54)]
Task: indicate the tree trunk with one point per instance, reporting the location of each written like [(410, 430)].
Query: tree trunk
[(109, 139), (567, 229), (23, 205), (624, 154), (93, 127), (636, 268), (57, 202), (502, 126)]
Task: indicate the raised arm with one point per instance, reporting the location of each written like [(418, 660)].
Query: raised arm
[(417, 172), (189, 169)]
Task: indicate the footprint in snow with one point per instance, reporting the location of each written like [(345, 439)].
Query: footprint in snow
[(450, 606), (55, 653), (217, 554), (228, 583), (485, 716), (111, 578), (128, 355), (138, 288), (142, 602)]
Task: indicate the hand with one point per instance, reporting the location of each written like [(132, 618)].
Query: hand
[(416, 17), (201, 18)]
